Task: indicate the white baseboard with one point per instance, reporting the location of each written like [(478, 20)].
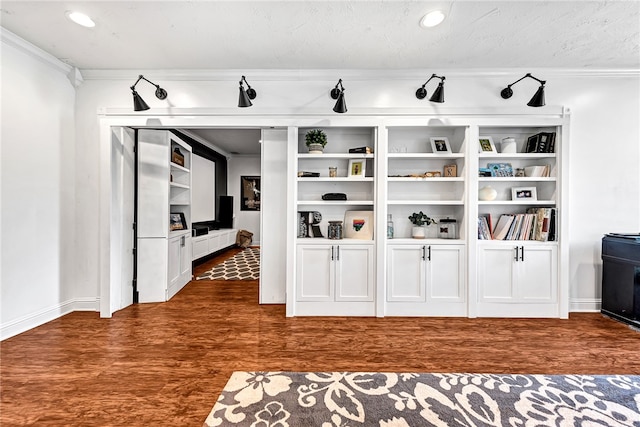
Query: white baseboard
[(585, 305), (33, 320)]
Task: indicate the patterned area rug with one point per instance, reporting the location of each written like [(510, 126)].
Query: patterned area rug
[(332, 399), (244, 265)]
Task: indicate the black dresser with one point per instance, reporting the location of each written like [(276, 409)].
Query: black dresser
[(621, 277)]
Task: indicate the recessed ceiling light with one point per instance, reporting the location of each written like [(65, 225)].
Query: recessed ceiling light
[(80, 19), (432, 19)]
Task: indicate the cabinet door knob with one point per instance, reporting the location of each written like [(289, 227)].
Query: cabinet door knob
[(424, 253), (332, 255), (522, 253), (517, 255), (338, 253), (429, 256)]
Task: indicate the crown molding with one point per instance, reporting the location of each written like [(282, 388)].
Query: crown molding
[(73, 74), (24, 46), (350, 74)]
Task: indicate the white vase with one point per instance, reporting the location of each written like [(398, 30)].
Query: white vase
[(418, 232), (508, 145), (487, 193)]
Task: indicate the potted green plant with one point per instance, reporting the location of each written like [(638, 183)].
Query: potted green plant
[(315, 139), (419, 220)]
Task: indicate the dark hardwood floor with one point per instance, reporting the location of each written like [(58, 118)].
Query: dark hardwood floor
[(165, 364)]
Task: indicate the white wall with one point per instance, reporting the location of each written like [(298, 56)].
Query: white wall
[(37, 188), (236, 167), (604, 154)]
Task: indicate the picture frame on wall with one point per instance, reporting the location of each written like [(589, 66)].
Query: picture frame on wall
[(177, 221), (523, 193), (440, 145), (486, 145), (249, 193), (357, 168)]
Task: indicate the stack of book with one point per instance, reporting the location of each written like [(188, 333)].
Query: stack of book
[(543, 142), (536, 224), (363, 150)]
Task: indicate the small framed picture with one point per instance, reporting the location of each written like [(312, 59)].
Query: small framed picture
[(177, 221), (524, 193), (486, 145), (450, 171), (357, 168), (440, 145)]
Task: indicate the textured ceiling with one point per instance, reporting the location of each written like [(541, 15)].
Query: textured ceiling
[(212, 35)]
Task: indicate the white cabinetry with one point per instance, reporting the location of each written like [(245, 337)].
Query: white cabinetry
[(517, 279), (425, 277), (335, 279), (467, 274), (426, 280), (212, 242), (521, 276), (164, 216)]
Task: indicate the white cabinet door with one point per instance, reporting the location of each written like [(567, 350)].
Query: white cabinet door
[(214, 241), (152, 270), (185, 260), (426, 280), (496, 273), (518, 280), (315, 272), (406, 273), (445, 273), (200, 246), (354, 271), (538, 274)]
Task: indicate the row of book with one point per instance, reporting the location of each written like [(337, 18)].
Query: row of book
[(536, 224), (543, 142)]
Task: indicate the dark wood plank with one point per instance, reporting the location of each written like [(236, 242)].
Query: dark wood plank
[(165, 364)]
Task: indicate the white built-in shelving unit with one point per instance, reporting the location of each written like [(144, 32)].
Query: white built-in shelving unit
[(164, 188), (434, 276)]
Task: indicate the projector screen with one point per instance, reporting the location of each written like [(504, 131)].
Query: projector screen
[(203, 184)]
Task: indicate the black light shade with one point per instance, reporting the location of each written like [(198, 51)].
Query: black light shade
[(538, 98), (244, 100), (438, 94), (341, 104), (138, 102)]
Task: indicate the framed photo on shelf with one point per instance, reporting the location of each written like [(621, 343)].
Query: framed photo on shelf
[(500, 169), (357, 168), (177, 221), (440, 145), (524, 193), (486, 145), (358, 225), (450, 171)]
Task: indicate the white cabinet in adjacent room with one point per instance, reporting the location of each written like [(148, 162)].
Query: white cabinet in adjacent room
[(517, 279), (335, 279), (426, 280), (164, 215)]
